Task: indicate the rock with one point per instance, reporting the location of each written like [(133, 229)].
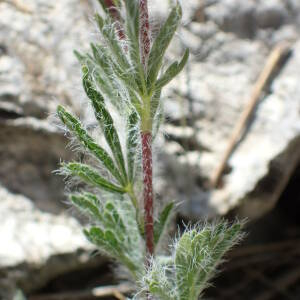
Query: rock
[(37, 65), (37, 71), (160, 10), (217, 90), (247, 18), (229, 40), (269, 152), (234, 16), (30, 151), (37, 246), (271, 14)]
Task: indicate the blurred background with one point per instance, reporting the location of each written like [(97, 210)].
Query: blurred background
[(43, 253)]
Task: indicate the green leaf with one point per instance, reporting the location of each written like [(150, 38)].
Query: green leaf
[(109, 243), (76, 128), (227, 236), (103, 4), (161, 44), (90, 176), (198, 253), (116, 3), (111, 75), (103, 239), (85, 203), (106, 122), (157, 121), (19, 295), (155, 101), (160, 225), (173, 70), (79, 56), (132, 20), (182, 264), (108, 31), (136, 101), (158, 282), (132, 32), (132, 143), (113, 220), (112, 240), (96, 236)]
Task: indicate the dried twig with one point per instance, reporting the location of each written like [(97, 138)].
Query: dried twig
[(104, 291), (18, 5), (272, 62)]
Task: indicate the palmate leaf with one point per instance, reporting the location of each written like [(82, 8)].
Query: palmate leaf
[(98, 237), (114, 234), (90, 176), (161, 44), (108, 242), (76, 128), (172, 71), (113, 220), (106, 122), (107, 216), (160, 224), (89, 204)]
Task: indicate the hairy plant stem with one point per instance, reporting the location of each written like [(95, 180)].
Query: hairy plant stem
[(146, 136), (144, 31), (148, 191), (146, 129)]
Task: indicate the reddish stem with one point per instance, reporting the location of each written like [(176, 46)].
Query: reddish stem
[(146, 137), (148, 191), (144, 31), (114, 13)]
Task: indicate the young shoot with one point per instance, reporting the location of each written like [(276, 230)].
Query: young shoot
[(123, 72)]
